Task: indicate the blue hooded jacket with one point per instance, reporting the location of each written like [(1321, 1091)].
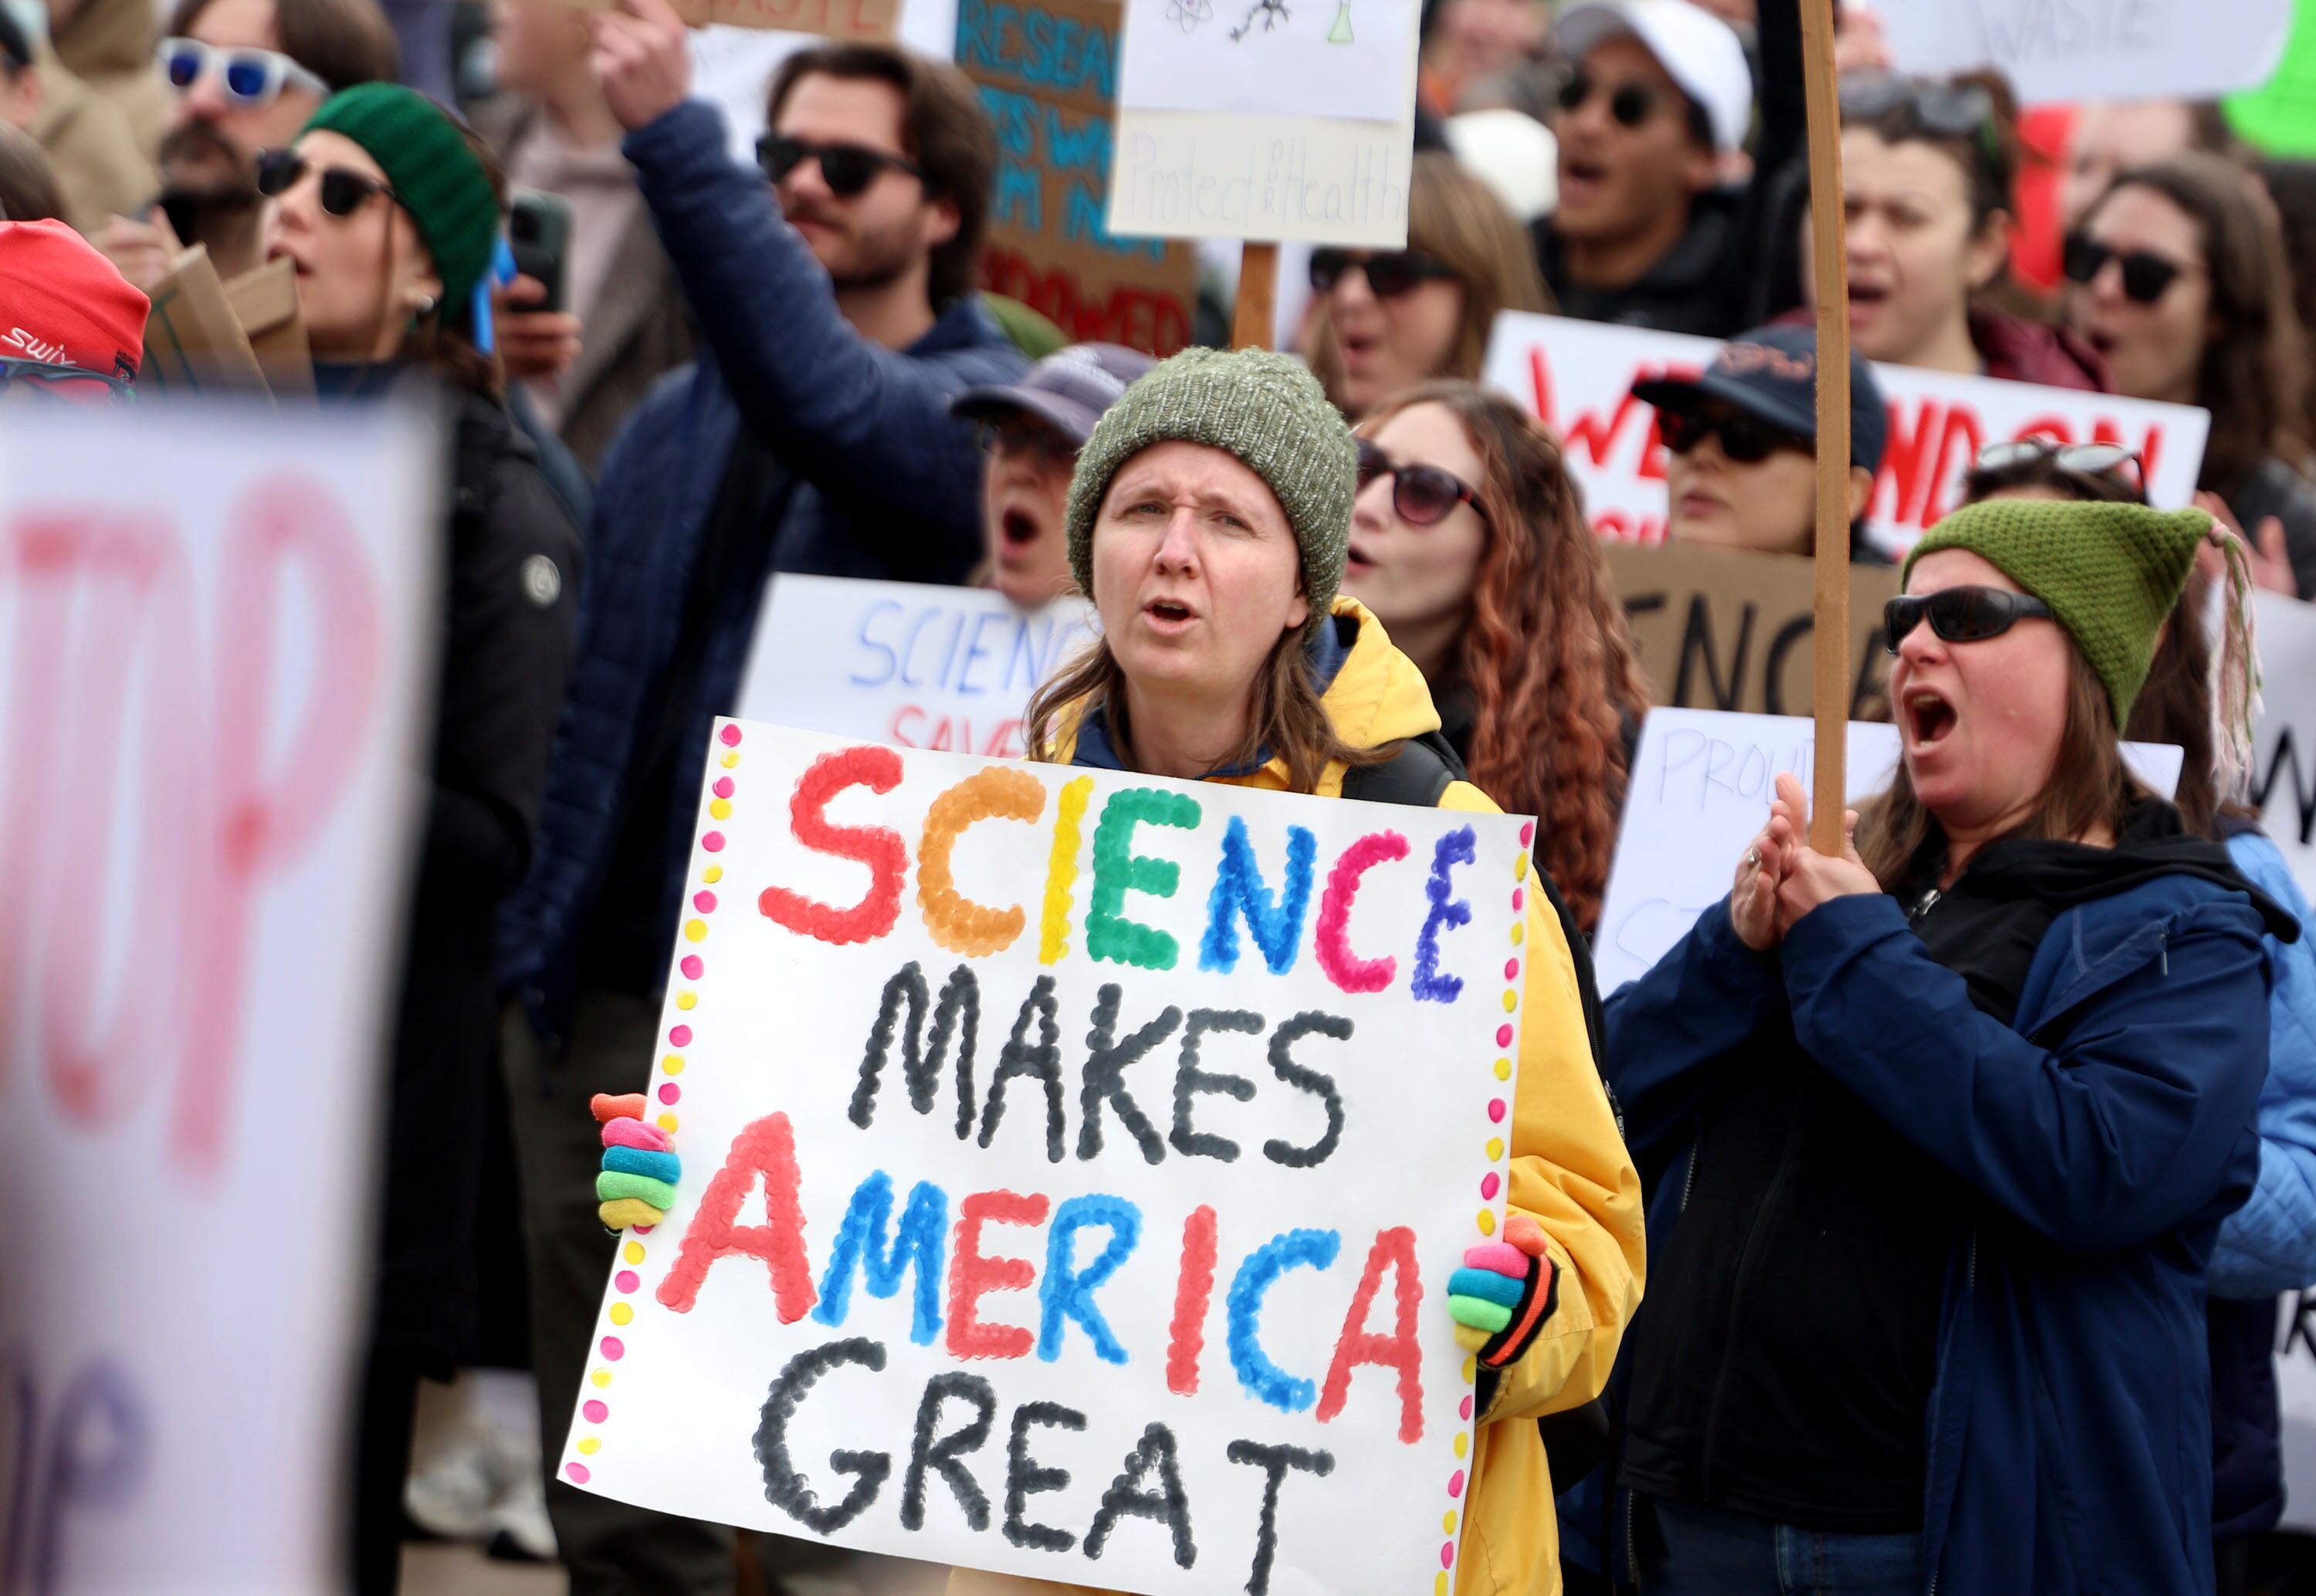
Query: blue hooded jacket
[(872, 478), (2109, 1134)]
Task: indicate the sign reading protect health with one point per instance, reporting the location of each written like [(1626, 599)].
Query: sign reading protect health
[(1075, 1162)]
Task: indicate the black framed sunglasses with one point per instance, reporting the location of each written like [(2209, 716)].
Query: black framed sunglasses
[(848, 169), (1629, 104), (1746, 439), (343, 192), (2084, 459), (1960, 615), (1388, 275), (1422, 495), (2147, 277)]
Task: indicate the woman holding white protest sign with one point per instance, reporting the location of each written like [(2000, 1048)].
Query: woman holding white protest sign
[(1946, 1125), (1469, 542), (2176, 275), (391, 215)]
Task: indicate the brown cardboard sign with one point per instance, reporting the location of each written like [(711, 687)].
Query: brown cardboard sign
[(1722, 630), (265, 303), (876, 21), (193, 341), (1048, 72)]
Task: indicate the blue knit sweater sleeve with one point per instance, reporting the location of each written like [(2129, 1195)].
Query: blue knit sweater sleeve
[(2269, 1245)]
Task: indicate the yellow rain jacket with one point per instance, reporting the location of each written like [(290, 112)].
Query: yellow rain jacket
[(1570, 1172)]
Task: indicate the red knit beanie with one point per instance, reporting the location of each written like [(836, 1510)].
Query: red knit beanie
[(63, 304)]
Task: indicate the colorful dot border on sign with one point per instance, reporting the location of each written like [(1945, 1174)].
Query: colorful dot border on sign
[(1493, 1185), (629, 1282)]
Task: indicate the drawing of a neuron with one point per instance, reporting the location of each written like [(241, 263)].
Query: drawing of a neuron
[(1188, 15), (1271, 12)]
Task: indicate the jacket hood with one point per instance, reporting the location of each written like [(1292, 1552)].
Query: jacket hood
[(2029, 352), (1372, 693), (2152, 845)]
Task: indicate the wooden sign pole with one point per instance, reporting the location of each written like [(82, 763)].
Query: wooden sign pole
[(1258, 295), (1830, 705)]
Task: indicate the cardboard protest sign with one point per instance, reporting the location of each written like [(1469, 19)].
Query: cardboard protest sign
[(265, 303), (1577, 379), (905, 663), (213, 658), (1267, 120), (194, 343), (1717, 629), (2283, 766), (1048, 72), (1701, 786), (1210, 1084), (2055, 50), (873, 21)]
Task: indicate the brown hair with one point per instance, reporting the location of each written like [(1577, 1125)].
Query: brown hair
[(1547, 655), (943, 129), (28, 182), (2254, 379), (343, 42), (1285, 715), (2174, 705), (2089, 788), (1454, 218)]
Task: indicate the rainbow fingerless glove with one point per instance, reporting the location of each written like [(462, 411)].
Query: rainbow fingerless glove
[(638, 1184), (1503, 1294)]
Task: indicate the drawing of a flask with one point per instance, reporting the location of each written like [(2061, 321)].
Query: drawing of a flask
[(1341, 33)]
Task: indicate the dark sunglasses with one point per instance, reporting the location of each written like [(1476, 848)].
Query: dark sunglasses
[(2084, 459), (1422, 495), (1951, 111), (848, 169), (58, 382), (343, 192), (2146, 277), (1746, 439), (1630, 104), (1388, 275), (1960, 615)]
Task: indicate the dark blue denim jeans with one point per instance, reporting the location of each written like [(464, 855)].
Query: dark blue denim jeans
[(1688, 1550)]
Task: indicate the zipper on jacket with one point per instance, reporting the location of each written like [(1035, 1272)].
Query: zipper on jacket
[(1688, 1181), (2163, 950)]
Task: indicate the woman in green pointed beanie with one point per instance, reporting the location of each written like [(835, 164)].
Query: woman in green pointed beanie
[(1958, 1110), (389, 210)]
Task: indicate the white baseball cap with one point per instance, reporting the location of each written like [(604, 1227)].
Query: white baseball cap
[(1697, 50)]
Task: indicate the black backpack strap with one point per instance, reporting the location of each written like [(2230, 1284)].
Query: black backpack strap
[(1418, 771)]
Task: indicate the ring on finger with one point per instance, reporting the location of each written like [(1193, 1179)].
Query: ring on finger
[(1752, 858)]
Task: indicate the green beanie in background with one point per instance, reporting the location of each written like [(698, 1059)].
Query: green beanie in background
[(2110, 572), (1265, 408), (433, 172)]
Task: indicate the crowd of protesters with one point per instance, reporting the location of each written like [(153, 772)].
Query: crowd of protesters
[(1981, 1302)]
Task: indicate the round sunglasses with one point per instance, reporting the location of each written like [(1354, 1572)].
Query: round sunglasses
[(1629, 104), (2147, 277), (1960, 615), (2084, 459), (249, 77), (848, 169), (1745, 440), (344, 191), (1388, 276), (1421, 495)]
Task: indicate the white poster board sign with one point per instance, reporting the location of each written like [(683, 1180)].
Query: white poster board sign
[(211, 662), (2295, 1389), (1577, 377), (2283, 766), (1701, 785), (2055, 50), (904, 662), (1265, 120), (1147, 1045)]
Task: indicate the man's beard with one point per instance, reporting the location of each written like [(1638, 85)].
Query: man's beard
[(200, 164), (874, 259)]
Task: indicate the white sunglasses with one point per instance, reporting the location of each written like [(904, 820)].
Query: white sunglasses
[(251, 78)]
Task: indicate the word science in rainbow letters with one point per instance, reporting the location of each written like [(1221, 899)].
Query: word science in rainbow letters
[(1073, 1163)]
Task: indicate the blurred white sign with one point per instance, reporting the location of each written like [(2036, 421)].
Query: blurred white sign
[(211, 660), (2093, 49)]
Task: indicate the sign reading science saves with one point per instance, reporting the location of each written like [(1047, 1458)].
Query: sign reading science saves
[(1084, 1211)]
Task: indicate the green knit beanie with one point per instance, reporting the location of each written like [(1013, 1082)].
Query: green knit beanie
[(1264, 408), (431, 172), (2110, 572)]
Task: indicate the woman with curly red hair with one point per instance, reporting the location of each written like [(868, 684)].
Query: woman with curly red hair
[(1469, 543)]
